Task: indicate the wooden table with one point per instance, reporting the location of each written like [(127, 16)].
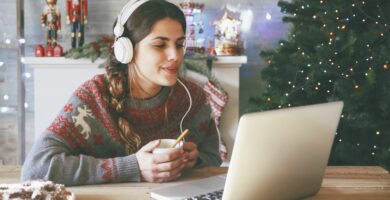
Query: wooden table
[(340, 183)]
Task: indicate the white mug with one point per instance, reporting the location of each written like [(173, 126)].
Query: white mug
[(166, 146)]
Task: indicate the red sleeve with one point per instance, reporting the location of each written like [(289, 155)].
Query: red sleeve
[(85, 9), (68, 6)]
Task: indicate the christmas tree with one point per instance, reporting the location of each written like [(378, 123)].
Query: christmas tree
[(336, 50)]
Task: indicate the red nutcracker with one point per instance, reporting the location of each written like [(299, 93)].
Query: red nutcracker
[(51, 19), (76, 15)]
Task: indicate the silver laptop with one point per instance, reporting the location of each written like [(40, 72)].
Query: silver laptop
[(278, 154)]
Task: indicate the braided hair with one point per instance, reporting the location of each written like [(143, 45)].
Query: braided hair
[(120, 76)]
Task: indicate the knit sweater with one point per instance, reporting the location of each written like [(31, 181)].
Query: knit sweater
[(83, 145)]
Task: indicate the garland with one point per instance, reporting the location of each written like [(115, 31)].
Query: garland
[(102, 48)]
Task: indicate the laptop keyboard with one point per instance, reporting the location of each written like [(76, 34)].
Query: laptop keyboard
[(216, 195)]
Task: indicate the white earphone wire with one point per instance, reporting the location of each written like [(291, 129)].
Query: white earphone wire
[(189, 107)]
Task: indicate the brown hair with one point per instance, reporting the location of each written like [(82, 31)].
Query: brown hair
[(137, 27)]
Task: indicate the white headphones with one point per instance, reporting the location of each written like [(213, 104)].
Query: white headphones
[(123, 48)]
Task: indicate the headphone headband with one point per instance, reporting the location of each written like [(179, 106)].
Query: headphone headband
[(125, 14), (123, 48)]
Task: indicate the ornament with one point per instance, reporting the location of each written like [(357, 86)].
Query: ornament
[(57, 51), (51, 20), (49, 52), (194, 40), (39, 51), (76, 16), (227, 36)]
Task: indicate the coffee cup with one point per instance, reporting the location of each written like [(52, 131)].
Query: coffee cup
[(166, 146)]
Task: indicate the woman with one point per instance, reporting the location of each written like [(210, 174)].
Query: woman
[(110, 126)]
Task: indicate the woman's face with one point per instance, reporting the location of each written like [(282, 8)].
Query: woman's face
[(159, 55)]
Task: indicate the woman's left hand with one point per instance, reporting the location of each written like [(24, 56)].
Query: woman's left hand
[(191, 154)]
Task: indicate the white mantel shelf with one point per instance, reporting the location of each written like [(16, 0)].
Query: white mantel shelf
[(56, 78), (221, 61), (42, 62)]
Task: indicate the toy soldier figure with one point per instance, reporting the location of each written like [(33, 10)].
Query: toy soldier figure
[(76, 15), (51, 19)]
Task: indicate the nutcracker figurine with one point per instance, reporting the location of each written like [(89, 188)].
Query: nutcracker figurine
[(76, 15), (51, 19)]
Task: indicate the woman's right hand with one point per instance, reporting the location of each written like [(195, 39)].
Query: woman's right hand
[(159, 167)]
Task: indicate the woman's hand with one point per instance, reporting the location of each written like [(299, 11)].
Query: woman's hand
[(191, 154), (159, 167)]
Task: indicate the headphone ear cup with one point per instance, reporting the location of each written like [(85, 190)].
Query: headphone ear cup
[(123, 50)]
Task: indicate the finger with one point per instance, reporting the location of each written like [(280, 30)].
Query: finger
[(150, 146), (168, 166), (193, 155), (189, 146), (169, 156), (170, 175)]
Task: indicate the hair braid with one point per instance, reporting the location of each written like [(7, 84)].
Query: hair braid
[(118, 87)]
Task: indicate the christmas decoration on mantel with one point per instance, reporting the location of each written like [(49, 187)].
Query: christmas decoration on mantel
[(76, 16), (227, 36), (194, 40), (51, 20), (337, 50)]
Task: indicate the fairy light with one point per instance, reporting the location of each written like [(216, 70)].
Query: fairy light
[(27, 75), (386, 66), (377, 133), (22, 41)]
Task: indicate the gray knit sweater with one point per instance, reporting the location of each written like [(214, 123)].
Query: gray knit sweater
[(83, 146)]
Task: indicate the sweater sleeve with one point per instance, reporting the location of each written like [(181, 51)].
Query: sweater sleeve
[(82, 145), (209, 148), (52, 159)]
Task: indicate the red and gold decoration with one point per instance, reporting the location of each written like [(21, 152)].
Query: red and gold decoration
[(51, 20), (194, 40), (227, 36), (76, 16)]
